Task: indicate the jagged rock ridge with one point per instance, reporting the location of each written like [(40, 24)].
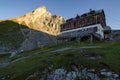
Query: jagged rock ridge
[(42, 20)]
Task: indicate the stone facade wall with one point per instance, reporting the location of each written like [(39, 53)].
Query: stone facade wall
[(115, 35)]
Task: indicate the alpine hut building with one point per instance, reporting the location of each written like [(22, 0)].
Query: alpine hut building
[(88, 24)]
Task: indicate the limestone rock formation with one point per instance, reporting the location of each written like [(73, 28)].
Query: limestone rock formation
[(42, 20)]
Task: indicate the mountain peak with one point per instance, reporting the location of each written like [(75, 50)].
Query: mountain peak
[(41, 20), (40, 10)]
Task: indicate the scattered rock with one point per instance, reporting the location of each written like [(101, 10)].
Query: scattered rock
[(94, 57), (103, 70), (13, 54), (84, 74), (91, 70)]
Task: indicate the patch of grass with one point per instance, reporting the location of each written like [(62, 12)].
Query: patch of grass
[(45, 58), (10, 33), (4, 56)]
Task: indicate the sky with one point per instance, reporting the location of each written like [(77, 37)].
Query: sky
[(65, 8)]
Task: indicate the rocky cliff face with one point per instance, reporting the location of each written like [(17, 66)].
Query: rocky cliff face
[(33, 30), (41, 20)]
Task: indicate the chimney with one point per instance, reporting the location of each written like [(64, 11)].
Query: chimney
[(91, 10)]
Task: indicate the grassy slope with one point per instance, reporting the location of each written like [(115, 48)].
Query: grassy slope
[(10, 33), (43, 58), (4, 57)]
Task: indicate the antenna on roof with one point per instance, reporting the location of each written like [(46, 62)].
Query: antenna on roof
[(77, 16)]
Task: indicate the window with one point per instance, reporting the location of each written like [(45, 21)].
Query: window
[(69, 25), (98, 19), (75, 23), (83, 22), (95, 29), (90, 20)]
